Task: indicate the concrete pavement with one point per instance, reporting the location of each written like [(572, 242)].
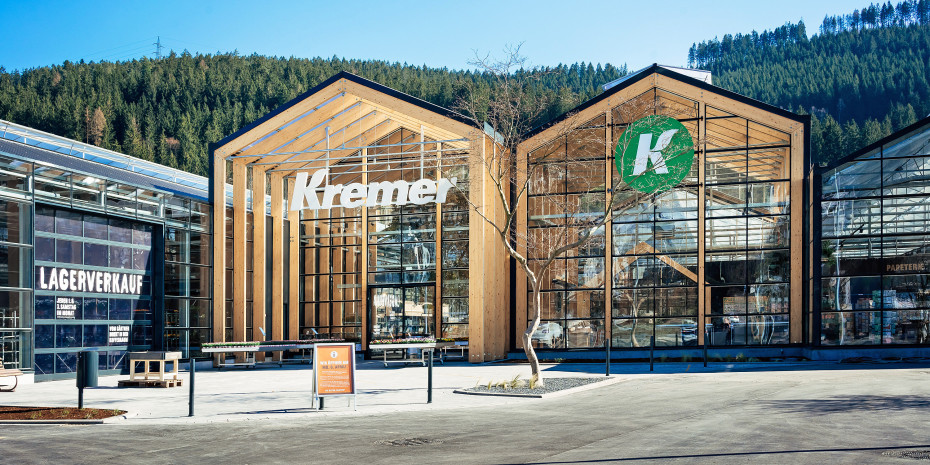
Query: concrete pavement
[(747, 413)]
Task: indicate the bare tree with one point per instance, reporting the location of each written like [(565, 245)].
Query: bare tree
[(511, 105)]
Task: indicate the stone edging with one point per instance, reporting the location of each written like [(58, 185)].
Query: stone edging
[(606, 382)]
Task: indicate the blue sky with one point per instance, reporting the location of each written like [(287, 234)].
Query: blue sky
[(435, 33)]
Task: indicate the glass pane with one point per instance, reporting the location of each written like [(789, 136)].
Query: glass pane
[(850, 328), (857, 293)]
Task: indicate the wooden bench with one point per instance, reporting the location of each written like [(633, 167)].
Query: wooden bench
[(15, 373)]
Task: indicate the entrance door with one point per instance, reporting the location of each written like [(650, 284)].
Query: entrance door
[(396, 312)]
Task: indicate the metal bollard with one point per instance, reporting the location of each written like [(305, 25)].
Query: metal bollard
[(652, 351), (429, 379), (190, 403)]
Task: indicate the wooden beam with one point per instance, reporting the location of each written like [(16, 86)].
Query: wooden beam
[(477, 246), (298, 130), (293, 305), (438, 255), (219, 250), (258, 256), (416, 112), (277, 257), (273, 124), (239, 252), (522, 290), (378, 129), (702, 224), (608, 228), (796, 302), (364, 261)]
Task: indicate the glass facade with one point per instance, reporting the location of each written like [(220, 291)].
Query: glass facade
[(93, 263), (874, 260), (654, 238), (16, 213), (417, 255)]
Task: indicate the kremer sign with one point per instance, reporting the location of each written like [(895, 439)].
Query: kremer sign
[(654, 153), (355, 195)]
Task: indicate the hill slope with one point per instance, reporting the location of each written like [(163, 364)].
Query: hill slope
[(864, 75), (168, 110)]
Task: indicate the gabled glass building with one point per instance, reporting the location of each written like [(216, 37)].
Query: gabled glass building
[(872, 282)]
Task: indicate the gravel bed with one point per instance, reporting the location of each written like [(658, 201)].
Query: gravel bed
[(551, 385)]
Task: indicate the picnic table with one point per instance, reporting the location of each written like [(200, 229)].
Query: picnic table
[(251, 350), (405, 348)]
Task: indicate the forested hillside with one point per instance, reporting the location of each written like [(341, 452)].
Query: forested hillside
[(168, 110), (863, 76)]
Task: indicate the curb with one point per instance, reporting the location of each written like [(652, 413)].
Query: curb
[(52, 422), (606, 382), (100, 421)]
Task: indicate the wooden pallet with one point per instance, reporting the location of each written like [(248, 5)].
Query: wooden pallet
[(151, 383)]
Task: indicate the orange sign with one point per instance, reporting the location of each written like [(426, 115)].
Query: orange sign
[(334, 369)]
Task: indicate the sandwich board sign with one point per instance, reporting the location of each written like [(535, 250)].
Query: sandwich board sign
[(334, 371)]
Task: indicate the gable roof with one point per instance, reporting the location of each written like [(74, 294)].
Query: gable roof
[(668, 72), (358, 80)]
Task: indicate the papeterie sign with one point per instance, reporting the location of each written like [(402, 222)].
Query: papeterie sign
[(654, 153), (101, 282), (355, 195)]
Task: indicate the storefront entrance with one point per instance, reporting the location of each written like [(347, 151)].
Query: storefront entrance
[(402, 311)]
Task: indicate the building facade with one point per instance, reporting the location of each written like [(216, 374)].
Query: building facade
[(100, 252), (717, 253), (358, 212), (872, 283)]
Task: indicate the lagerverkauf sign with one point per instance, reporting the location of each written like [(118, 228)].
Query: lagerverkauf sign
[(333, 370), (356, 194), (101, 282), (654, 154)]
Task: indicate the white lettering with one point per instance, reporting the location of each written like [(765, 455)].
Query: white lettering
[(99, 287), (644, 154), (353, 195), (42, 284), (389, 191), (72, 280), (423, 191), (52, 280), (106, 283), (63, 279), (139, 283), (443, 189), (303, 190), (329, 193)]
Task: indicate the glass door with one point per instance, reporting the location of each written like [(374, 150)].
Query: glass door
[(406, 311)]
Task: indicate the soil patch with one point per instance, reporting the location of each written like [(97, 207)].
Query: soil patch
[(56, 413)]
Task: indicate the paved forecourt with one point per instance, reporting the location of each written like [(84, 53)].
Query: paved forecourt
[(284, 393)]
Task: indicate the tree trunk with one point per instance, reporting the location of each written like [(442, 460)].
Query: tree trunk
[(528, 336)]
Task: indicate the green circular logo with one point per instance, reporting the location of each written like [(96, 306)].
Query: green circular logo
[(654, 153)]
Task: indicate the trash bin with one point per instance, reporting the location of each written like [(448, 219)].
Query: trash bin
[(87, 367)]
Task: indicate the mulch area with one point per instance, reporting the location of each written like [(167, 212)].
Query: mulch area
[(56, 413)]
